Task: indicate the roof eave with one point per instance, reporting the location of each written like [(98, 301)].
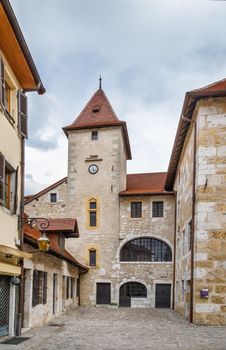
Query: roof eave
[(148, 193), (98, 126), (189, 105), (24, 48)]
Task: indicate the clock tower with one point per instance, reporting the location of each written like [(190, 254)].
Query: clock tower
[(98, 147)]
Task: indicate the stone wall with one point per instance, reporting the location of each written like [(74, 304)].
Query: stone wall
[(42, 206), (210, 248), (210, 215), (43, 313), (183, 187), (148, 273)]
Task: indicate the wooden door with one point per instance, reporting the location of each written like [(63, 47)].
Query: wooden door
[(163, 295), (103, 293)]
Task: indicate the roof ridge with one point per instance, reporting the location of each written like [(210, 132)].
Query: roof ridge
[(208, 86)]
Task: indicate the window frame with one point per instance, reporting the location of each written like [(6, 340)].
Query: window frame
[(136, 212), (92, 263), (94, 135), (92, 212), (51, 196), (157, 211), (146, 250)]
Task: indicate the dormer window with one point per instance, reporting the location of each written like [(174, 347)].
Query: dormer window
[(96, 110), (94, 135)]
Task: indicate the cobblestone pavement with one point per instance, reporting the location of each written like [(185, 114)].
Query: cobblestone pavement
[(122, 329)]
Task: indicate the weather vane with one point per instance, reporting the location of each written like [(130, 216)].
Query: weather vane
[(100, 83)]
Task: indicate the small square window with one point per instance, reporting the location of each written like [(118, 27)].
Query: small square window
[(136, 209), (53, 197), (94, 135), (93, 205), (157, 209)]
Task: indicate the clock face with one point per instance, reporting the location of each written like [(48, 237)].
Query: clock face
[(93, 169)]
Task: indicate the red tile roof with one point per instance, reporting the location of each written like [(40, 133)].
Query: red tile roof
[(143, 184), (66, 225), (30, 198), (98, 113), (31, 236), (217, 89)]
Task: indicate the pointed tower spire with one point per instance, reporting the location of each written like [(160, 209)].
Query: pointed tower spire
[(100, 83)]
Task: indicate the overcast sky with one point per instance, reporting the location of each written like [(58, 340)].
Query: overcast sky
[(149, 53)]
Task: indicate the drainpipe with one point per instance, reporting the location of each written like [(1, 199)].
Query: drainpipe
[(175, 252), (21, 233), (193, 215)]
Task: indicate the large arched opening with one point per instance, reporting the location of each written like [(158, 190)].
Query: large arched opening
[(131, 290)]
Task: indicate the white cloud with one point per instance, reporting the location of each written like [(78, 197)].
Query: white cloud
[(149, 53)]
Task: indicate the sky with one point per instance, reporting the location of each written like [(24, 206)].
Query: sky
[(149, 54)]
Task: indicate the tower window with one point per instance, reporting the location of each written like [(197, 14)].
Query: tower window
[(93, 213), (94, 135), (92, 257)]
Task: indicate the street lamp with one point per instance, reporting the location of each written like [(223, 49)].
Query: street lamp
[(43, 224)]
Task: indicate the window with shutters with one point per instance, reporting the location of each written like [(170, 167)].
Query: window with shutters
[(72, 287), (157, 209), (68, 287), (22, 114), (44, 297), (39, 288), (7, 91), (136, 209), (8, 185)]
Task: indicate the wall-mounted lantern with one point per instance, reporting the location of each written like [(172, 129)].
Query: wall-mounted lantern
[(41, 224)]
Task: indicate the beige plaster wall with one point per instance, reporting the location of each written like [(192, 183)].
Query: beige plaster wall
[(10, 147)]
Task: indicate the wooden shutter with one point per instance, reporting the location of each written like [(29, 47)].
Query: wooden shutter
[(22, 114), (35, 288), (2, 84), (44, 299), (15, 191), (2, 177), (72, 287)]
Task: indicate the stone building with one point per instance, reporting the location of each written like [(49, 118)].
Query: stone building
[(51, 278), (18, 75), (150, 240), (126, 222), (197, 174)]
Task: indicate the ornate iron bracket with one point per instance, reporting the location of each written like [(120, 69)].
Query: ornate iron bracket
[(43, 223)]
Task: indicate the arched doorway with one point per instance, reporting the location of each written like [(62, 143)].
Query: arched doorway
[(129, 290)]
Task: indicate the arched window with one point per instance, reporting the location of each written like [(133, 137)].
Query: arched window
[(146, 249)]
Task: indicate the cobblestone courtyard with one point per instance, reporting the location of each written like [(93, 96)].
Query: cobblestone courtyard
[(122, 329)]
